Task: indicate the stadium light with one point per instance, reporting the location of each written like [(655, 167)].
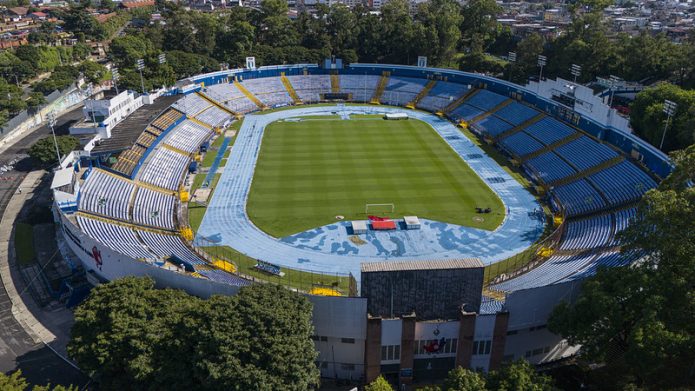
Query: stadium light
[(512, 59), (162, 58), (614, 80), (114, 78), (542, 61), (140, 65), (576, 70), (670, 108), (51, 123)]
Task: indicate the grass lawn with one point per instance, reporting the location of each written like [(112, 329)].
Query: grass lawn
[(212, 152), (195, 211), (24, 243), (310, 171), (293, 278)]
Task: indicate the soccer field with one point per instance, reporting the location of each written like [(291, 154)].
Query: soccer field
[(310, 171)]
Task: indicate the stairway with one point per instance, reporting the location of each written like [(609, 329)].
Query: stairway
[(335, 83), (216, 103), (588, 172), (520, 127), (376, 98), (552, 146), (290, 89), (491, 111), (199, 122), (249, 95), (451, 106), (423, 93), (174, 149)]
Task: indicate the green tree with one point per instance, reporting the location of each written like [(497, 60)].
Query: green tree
[(35, 100), (379, 384), (15, 382), (93, 72), (44, 150), (479, 24), (129, 335), (637, 321), (518, 376), (649, 121), (442, 19), (461, 379)]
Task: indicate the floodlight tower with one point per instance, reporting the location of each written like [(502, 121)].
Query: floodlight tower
[(542, 61), (140, 65), (512, 59), (114, 78), (576, 70), (614, 80), (670, 108)]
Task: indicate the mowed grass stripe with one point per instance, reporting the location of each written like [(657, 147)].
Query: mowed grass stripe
[(308, 172)]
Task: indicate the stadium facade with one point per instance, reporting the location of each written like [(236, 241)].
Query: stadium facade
[(122, 212)]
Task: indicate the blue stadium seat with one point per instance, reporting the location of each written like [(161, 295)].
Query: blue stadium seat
[(516, 113), (493, 126), (520, 144), (622, 183), (585, 153), (549, 130), (549, 167), (579, 197), (485, 100)]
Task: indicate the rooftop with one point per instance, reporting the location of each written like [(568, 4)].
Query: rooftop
[(463, 263), (125, 133)]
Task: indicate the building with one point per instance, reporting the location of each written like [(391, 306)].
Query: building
[(102, 115)]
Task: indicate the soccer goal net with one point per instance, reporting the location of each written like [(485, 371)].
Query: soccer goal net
[(370, 209)]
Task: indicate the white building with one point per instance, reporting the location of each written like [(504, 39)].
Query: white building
[(102, 115)]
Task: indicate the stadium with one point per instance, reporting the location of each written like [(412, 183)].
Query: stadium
[(433, 217)]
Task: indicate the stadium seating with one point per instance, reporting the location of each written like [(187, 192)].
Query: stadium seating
[(360, 86), (516, 113), (228, 95), (154, 208), (622, 220), (520, 144), (579, 197), (465, 112), (191, 104), (549, 167), (549, 130), (310, 87), (492, 125), (224, 277), (402, 90), (168, 245), (187, 136), (588, 233), (584, 153), (622, 183), (561, 268), (164, 168), (441, 95), (214, 116), (269, 90), (106, 194), (607, 259), (485, 100), (119, 238)]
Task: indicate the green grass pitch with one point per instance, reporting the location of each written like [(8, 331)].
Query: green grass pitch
[(311, 171)]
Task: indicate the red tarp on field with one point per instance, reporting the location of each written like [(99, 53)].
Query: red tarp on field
[(377, 218), (383, 225)]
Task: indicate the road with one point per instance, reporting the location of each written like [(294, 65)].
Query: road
[(17, 350)]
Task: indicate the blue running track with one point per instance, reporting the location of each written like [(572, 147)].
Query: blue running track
[(328, 249)]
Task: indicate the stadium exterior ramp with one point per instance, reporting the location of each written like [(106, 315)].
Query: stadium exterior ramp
[(329, 249)]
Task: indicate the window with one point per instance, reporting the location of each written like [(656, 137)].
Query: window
[(314, 337), (324, 338), (482, 347), (347, 340), (391, 352)]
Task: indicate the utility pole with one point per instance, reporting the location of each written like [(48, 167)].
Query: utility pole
[(51, 123)]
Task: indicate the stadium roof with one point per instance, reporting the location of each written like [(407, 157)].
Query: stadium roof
[(463, 263), (123, 136)]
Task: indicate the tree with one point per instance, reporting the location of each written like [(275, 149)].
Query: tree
[(35, 100), (15, 382), (44, 150), (461, 379), (93, 72), (649, 121), (518, 376), (441, 18), (637, 321), (129, 335), (379, 384)]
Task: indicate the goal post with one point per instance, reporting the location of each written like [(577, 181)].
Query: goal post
[(379, 208)]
